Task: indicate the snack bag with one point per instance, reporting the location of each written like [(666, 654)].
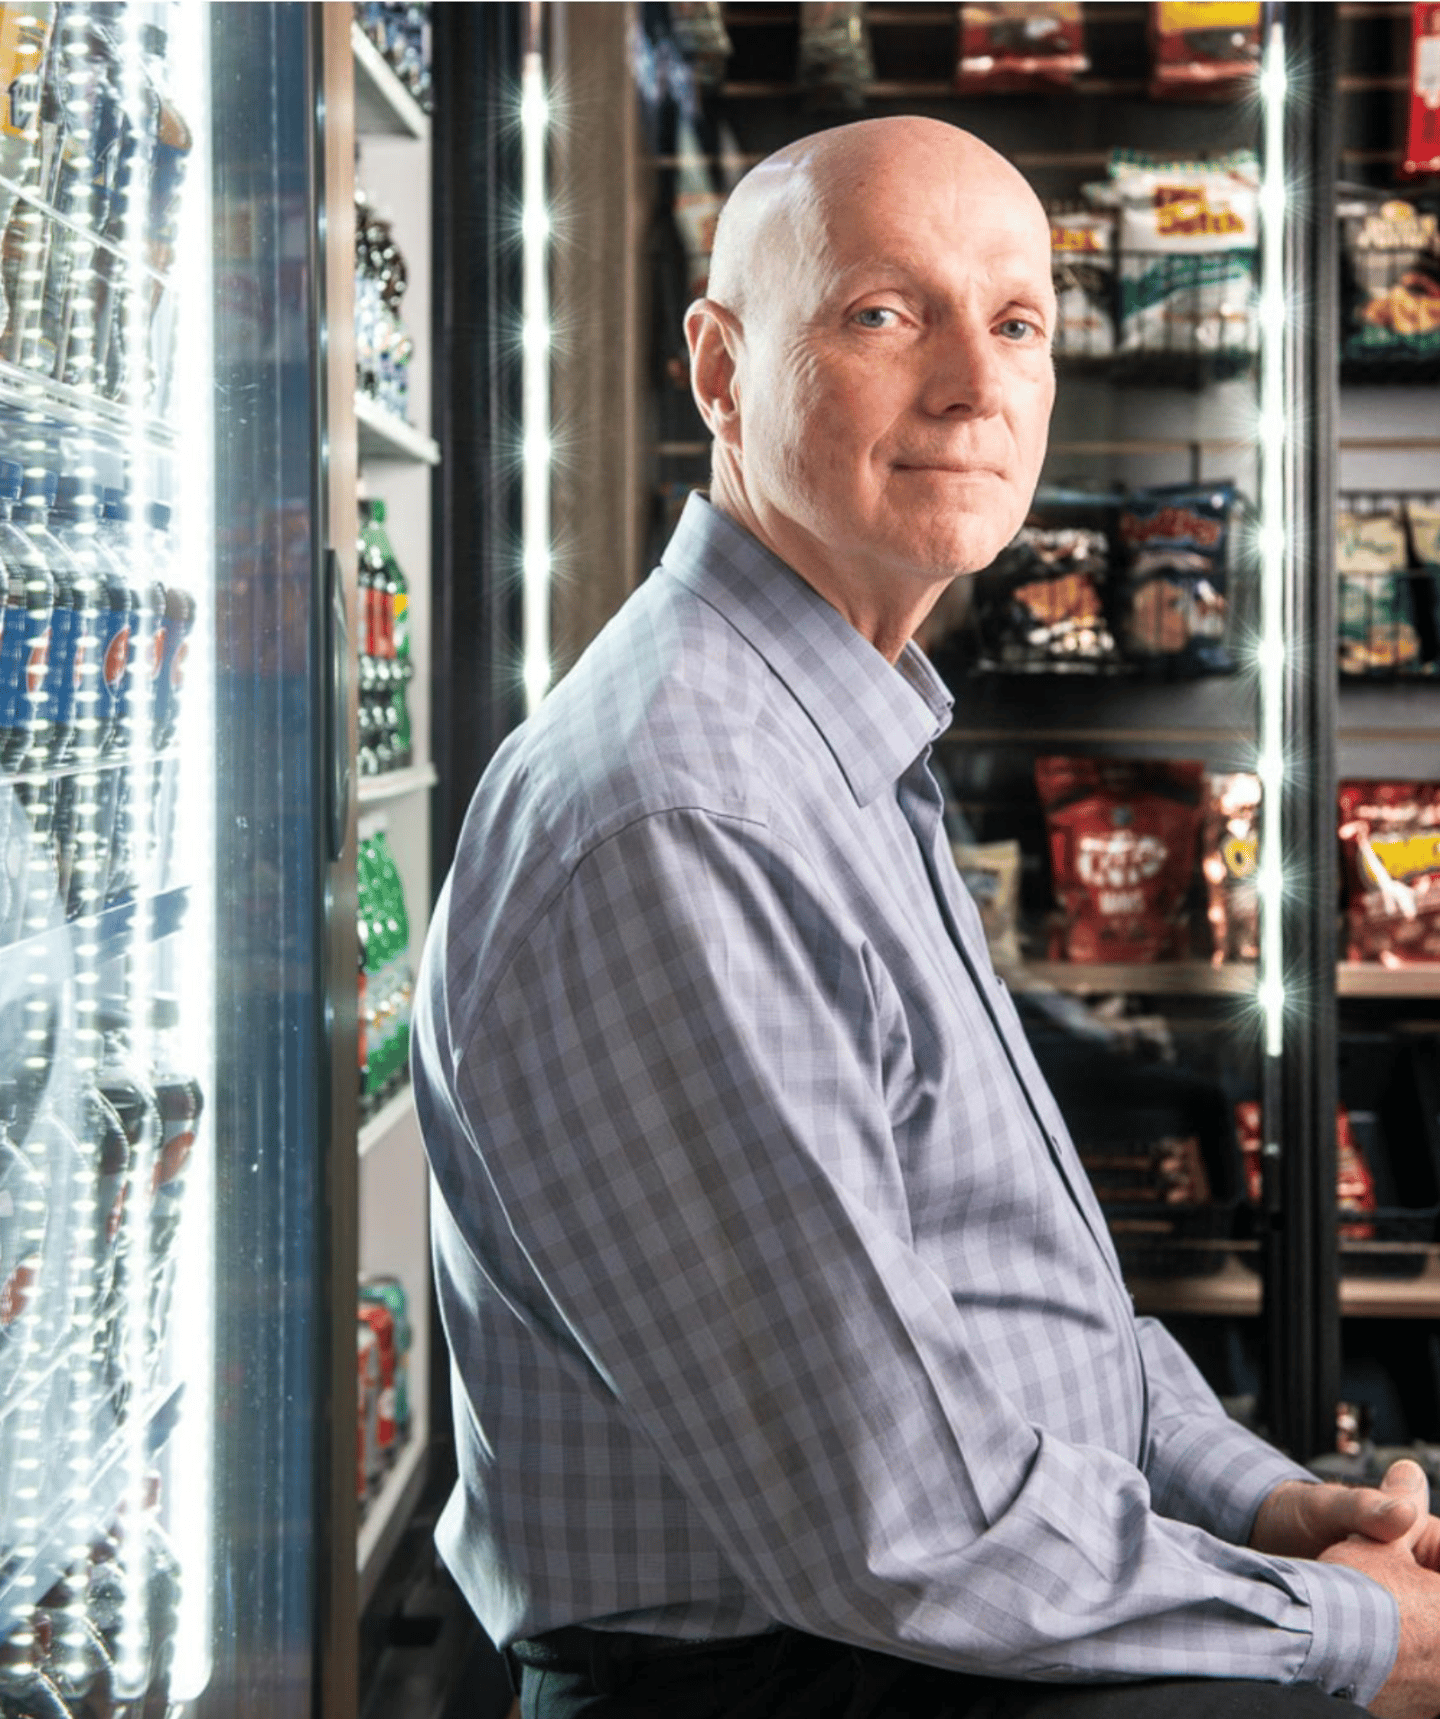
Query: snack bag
[(1122, 852), (1082, 263), (1165, 1172), (835, 61), (1004, 48), (1180, 542), (1200, 50), (1354, 1182), (1041, 602), (991, 872), (1376, 623), (1424, 519), (1390, 254), (1390, 841), (700, 35), (1230, 863), (1188, 237), (1422, 136)]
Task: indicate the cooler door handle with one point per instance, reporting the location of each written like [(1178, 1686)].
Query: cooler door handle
[(337, 705)]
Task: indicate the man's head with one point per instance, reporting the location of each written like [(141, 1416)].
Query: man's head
[(873, 361)]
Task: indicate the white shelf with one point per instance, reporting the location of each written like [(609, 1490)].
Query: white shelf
[(387, 1119), (395, 784), (383, 436), (390, 1511), (383, 106)]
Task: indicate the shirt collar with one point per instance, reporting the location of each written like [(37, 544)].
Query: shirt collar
[(876, 719)]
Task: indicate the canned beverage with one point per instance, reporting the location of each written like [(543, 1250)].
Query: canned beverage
[(380, 1320)]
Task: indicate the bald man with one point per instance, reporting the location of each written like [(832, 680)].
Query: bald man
[(794, 1372)]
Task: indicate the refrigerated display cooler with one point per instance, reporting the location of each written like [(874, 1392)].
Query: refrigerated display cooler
[(186, 1204)]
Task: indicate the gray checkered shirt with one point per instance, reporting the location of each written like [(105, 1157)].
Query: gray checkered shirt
[(774, 1287)]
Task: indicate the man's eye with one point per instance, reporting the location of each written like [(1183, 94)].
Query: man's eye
[(874, 316), (1017, 328)]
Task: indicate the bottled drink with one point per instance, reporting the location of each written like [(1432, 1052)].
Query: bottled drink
[(25, 642), (390, 1292), (75, 628), (133, 1099), (24, 52), (381, 1321), (173, 142), (24, 1214), (397, 980), (179, 1101)]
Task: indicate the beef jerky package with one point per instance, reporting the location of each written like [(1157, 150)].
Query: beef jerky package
[(835, 60), (1082, 264), (991, 872), (1188, 237), (1042, 605), (1230, 863), (1181, 576), (1376, 621), (1007, 48), (1122, 838), (1422, 136), (1199, 51), (1169, 1171), (1390, 263), (1390, 842), (1424, 518)]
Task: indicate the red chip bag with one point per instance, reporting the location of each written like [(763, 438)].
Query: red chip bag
[(1422, 136), (1122, 853), (1203, 49), (1390, 840), (1004, 48)]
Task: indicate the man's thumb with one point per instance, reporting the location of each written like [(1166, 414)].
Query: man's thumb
[(1405, 1480)]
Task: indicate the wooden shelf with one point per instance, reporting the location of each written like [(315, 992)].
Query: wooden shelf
[(383, 106), (1393, 1297), (1146, 978), (1370, 979), (383, 436), (390, 1512), (1233, 1291), (395, 784)]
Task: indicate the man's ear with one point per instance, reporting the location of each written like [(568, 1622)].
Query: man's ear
[(714, 337)]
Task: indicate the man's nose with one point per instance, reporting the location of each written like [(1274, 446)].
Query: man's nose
[(966, 375)]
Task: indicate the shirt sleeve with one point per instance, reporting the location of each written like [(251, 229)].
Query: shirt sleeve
[(678, 1077)]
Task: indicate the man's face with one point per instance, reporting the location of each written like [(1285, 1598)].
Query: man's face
[(895, 383)]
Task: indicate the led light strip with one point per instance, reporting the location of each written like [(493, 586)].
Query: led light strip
[(535, 383), (1270, 765)]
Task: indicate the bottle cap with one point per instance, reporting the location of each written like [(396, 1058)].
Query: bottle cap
[(164, 1012), (77, 495), (153, 40), (40, 486), (159, 515), (117, 504), (12, 474), (377, 510)]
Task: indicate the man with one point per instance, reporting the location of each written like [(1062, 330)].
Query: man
[(794, 1371)]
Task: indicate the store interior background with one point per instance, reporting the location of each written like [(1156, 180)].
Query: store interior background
[(1291, 1307)]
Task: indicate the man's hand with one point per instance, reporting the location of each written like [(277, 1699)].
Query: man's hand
[(1405, 1567), (1301, 1518)]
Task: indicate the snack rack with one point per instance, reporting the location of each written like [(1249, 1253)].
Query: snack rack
[(1284, 1302)]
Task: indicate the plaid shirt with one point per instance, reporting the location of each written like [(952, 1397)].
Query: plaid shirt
[(774, 1286)]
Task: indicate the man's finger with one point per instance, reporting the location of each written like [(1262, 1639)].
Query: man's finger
[(1405, 1482)]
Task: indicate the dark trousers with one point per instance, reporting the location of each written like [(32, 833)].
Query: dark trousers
[(587, 1674)]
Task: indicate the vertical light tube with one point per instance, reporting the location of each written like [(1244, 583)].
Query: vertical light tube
[(535, 377), (1273, 539), (190, 1517)]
